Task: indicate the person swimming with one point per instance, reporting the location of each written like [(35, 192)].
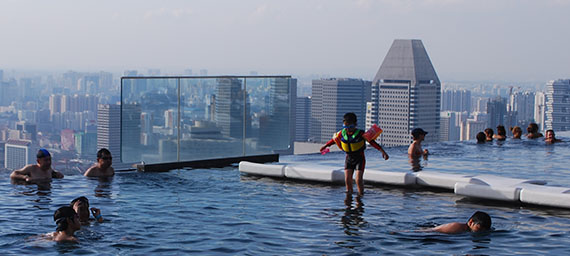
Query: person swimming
[(67, 222), (479, 222), (551, 137), (81, 206)]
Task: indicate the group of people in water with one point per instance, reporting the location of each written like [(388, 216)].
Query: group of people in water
[(69, 218), (532, 133)]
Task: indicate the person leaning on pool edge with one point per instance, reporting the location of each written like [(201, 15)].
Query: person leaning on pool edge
[(41, 171), (103, 166)]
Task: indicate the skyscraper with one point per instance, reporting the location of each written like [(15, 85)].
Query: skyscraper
[(131, 133), (456, 100), (302, 118), (331, 99), (496, 111), (406, 94), (109, 129), (232, 107), (558, 105), (539, 108), (278, 130)]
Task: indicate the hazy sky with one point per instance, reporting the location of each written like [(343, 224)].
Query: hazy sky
[(466, 39)]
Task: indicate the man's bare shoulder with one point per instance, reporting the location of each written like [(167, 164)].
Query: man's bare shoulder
[(93, 171)]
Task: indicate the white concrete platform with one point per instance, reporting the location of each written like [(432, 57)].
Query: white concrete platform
[(494, 187), (545, 195), (271, 170), (440, 179), (391, 178), (314, 173)]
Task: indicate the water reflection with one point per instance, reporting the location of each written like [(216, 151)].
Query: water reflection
[(40, 190), (415, 162), (352, 219), (104, 188)]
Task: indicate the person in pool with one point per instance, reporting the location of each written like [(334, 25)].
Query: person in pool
[(481, 138), (551, 137), (532, 131), (103, 167), (81, 206), (479, 221), (501, 133), (41, 171), (67, 222), (351, 141), (517, 132), (489, 134), (415, 149)]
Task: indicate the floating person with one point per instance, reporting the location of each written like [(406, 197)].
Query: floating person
[(532, 131), (479, 221), (415, 150), (350, 140), (103, 166), (81, 207), (551, 137), (481, 138), (67, 222), (489, 134), (501, 133), (41, 171), (517, 132)]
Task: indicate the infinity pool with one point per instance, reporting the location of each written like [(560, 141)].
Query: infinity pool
[(220, 212)]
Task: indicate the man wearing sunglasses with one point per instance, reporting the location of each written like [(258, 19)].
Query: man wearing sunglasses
[(103, 167)]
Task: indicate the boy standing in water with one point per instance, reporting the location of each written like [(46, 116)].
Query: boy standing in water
[(350, 140), (41, 171)]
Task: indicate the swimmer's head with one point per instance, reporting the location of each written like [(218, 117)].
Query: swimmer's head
[(65, 217), (81, 206), (480, 221), (481, 137), (349, 119), (43, 157)]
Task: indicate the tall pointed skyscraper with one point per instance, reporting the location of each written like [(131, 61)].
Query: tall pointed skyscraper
[(406, 94)]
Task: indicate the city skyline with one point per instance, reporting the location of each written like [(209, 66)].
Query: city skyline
[(497, 40)]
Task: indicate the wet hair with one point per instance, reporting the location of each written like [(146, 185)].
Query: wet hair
[(102, 152), (481, 137), (501, 130), (516, 129), (62, 216), (482, 219), (82, 199), (553, 134), (489, 132), (349, 118)]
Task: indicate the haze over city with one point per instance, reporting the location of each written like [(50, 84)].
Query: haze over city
[(466, 40)]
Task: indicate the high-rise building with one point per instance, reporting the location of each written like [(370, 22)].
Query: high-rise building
[(232, 107), (331, 99), (451, 125), (18, 153), (131, 133), (521, 105), (67, 139), (406, 94), (109, 129), (456, 100), (27, 129), (558, 105), (278, 129), (496, 111), (55, 103), (86, 145), (302, 118), (539, 110)]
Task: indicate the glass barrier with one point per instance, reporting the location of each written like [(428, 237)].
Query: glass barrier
[(169, 119)]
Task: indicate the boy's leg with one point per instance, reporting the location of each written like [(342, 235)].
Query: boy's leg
[(348, 180), (360, 181)]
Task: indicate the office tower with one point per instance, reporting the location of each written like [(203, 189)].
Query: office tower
[(331, 99), (55, 104), (456, 100), (302, 118), (88, 84), (539, 110), (28, 130), (18, 153), (131, 133), (86, 145), (230, 108), (496, 111), (210, 111), (277, 128), (67, 139), (406, 94), (109, 129), (171, 118), (521, 109), (451, 125), (558, 105), (79, 103)]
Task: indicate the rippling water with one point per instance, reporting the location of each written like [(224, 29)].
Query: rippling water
[(219, 211)]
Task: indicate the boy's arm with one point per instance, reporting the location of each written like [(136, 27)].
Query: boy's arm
[(328, 144), (376, 146), (97, 214), (56, 174), (451, 228), (22, 174)]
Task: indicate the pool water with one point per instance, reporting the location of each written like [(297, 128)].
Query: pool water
[(221, 212)]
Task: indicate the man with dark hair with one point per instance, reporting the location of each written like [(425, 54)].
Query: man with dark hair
[(489, 134), (481, 137), (479, 221), (67, 223), (551, 137), (415, 150), (103, 166), (41, 171), (351, 141)]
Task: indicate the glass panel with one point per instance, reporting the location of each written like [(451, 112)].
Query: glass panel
[(272, 123), (149, 120), (212, 118)]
